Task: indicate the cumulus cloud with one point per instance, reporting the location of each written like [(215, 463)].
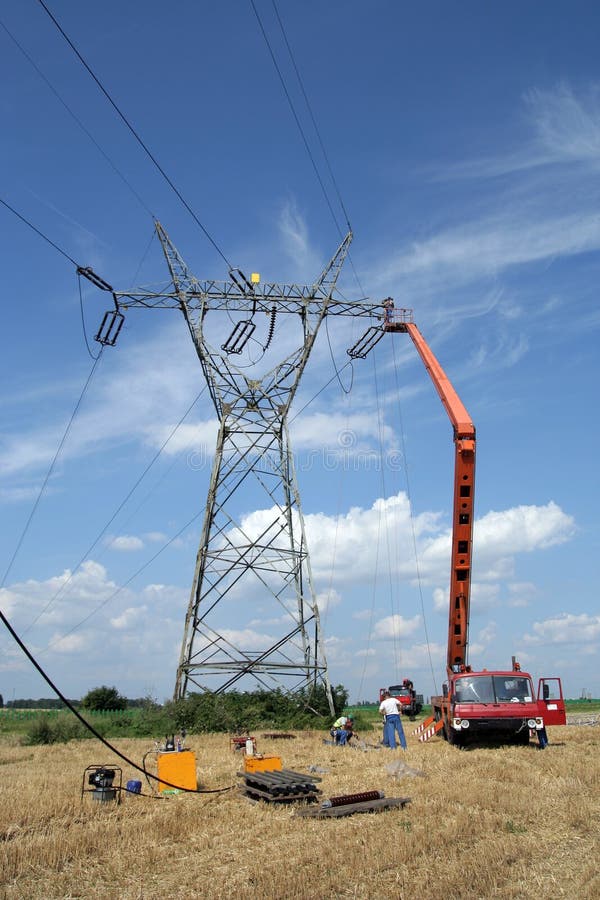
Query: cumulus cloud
[(129, 617), (500, 535), (396, 626), (125, 543), (85, 616), (326, 600), (566, 628)]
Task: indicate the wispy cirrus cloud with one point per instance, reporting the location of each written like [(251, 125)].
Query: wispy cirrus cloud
[(558, 126)]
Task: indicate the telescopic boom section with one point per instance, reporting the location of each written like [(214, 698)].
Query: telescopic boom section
[(462, 516)]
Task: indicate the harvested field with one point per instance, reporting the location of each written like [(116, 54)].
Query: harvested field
[(511, 822)]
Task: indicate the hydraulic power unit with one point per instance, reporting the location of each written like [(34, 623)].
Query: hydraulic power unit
[(262, 763), (178, 768)]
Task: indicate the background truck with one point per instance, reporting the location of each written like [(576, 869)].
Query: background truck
[(411, 702)]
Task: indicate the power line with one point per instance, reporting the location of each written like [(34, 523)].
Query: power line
[(114, 515), (315, 125), (121, 587), (135, 134), (37, 231), (314, 121), (51, 469), (79, 122), (294, 113)]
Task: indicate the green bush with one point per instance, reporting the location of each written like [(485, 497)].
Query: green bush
[(44, 730), (233, 711), (104, 698)]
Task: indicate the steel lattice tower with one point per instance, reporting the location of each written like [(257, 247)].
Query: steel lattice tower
[(242, 558), (253, 450)]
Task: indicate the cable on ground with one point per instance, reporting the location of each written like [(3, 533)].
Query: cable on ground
[(91, 728)]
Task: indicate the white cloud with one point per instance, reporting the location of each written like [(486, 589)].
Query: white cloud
[(294, 232), (567, 126), (521, 593), (247, 638), (418, 656), (339, 436), (125, 543), (362, 614), (566, 628), (129, 617), (72, 643), (483, 639), (484, 248), (563, 127), (498, 536), (396, 626), (139, 414), (327, 600)]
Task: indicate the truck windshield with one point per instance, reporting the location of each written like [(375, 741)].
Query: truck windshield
[(492, 689), (398, 690)]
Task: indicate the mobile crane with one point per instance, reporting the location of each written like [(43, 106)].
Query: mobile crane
[(497, 706)]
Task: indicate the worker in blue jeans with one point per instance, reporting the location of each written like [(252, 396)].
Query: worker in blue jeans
[(390, 710)]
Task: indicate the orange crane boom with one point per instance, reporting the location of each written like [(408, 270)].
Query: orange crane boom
[(496, 705), (464, 486)]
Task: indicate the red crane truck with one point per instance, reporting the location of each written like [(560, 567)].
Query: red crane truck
[(498, 706), (410, 702)]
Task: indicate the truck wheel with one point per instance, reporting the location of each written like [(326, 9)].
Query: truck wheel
[(437, 714), (454, 738)]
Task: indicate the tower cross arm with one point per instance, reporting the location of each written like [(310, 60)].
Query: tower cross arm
[(226, 295), (186, 292)]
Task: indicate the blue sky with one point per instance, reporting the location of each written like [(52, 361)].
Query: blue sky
[(465, 141)]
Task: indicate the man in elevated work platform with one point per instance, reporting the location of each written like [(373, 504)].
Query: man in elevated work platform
[(390, 710), (388, 307)]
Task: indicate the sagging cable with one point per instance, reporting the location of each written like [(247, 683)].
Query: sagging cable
[(91, 728)]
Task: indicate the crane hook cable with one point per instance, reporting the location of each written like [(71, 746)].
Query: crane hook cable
[(90, 727), (412, 521), (137, 137)]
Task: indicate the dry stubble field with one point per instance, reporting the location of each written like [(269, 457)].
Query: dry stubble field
[(486, 823)]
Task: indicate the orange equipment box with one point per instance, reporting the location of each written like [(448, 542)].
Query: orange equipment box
[(179, 769), (262, 763)]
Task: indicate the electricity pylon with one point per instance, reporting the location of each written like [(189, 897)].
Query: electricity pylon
[(250, 562)]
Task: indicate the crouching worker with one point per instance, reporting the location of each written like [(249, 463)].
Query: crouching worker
[(342, 730)]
